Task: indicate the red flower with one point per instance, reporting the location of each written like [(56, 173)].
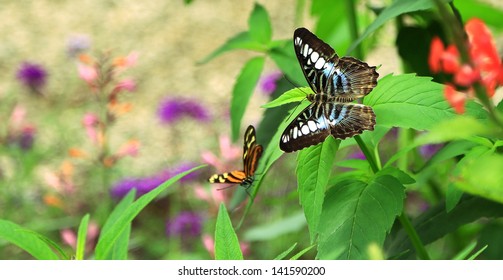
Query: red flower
[(485, 65), (455, 98)]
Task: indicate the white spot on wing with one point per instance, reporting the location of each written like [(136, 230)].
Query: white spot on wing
[(319, 64), (312, 125), (304, 50), (305, 129), (314, 56)]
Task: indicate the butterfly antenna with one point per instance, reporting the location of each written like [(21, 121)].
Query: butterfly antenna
[(224, 188), (291, 112)]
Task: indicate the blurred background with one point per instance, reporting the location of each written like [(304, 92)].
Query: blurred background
[(98, 97)]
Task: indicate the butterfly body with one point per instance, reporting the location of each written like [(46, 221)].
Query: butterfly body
[(251, 155), (335, 82)]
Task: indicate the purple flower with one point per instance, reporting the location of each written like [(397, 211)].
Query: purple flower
[(185, 224), (144, 185), (24, 138), (269, 82), (357, 155), (32, 75), (77, 44), (427, 151), (172, 109)]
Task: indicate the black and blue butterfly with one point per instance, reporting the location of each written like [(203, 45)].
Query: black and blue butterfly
[(336, 81)]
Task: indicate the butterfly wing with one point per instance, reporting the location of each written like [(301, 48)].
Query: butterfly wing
[(346, 78), (234, 177), (251, 155), (309, 128), (319, 120), (251, 152)]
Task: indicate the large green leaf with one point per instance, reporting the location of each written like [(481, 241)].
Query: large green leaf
[(314, 166), (357, 214), (226, 240), (415, 102), (119, 250), (398, 7), (123, 221), (242, 92), (26, 240), (259, 25)]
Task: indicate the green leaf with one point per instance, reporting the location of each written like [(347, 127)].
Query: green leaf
[(123, 221), (357, 214), (226, 240), (285, 59), (259, 25), (301, 253), (415, 102), (472, 257), (398, 7), (314, 166), (483, 176), (285, 253), (450, 150), (452, 197), (272, 230), (242, 41), (466, 251), (81, 238), (456, 128), (436, 223), (242, 92), (26, 240), (401, 176), (293, 95), (120, 249)]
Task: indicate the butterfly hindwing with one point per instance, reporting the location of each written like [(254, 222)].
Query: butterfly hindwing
[(251, 155), (319, 120)]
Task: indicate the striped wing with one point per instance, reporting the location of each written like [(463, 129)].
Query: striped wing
[(346, 78), (251, 155), (321, 119)]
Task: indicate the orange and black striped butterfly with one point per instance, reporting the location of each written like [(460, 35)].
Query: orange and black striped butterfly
[(251, 155)]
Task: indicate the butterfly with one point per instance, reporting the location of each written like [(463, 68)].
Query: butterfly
[(251, 155), (336, 81)]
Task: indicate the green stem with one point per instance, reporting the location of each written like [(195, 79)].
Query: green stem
[(368, 154), (374, 162), (353, 26), (414, 237)]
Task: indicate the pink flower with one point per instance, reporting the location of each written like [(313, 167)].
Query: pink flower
[(91, 123), (130, 148), (127, 61), (87, 73), (127, 84)]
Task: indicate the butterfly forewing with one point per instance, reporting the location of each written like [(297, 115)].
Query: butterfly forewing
[(251, 154), (345, 79)]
